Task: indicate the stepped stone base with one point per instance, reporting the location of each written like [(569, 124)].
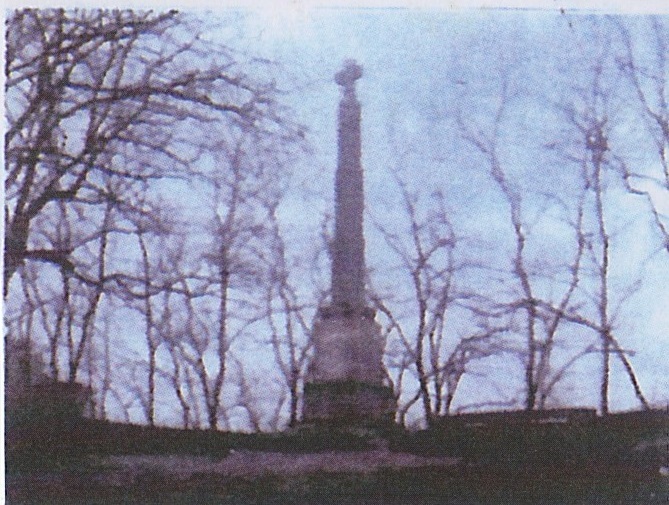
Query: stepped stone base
[(345, 382), (348, 402)]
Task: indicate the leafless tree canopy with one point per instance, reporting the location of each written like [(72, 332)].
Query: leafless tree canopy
[(103, 108), (102, 102)]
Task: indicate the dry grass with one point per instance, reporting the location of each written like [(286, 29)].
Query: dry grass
[(253, 464)]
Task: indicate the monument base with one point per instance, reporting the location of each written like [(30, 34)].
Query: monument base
[(345, 381), (348, 402)]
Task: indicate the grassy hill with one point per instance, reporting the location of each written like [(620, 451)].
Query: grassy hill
[(461, 460)]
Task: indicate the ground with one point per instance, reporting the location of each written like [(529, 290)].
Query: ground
[(375, 476), (616, 460), (258, 464)]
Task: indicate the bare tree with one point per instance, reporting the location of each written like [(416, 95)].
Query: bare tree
[(168, 333), (597, 147), (104, 375), (95, 94), (102, 106), (237, 233), (547, 377), (646, 71), (429, 257), (220, 292), (67, 310), (591, 115), (247, 399), (25, 320), (486, 144), (145, 293), (541, 329), (187, 344), (288, 318)]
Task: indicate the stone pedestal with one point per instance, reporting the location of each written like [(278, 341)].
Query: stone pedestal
[(345, 382)]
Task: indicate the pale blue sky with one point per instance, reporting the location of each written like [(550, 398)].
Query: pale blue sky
[(414, 60), (420, 68)]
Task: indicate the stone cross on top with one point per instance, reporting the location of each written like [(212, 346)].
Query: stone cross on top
[(347, 76)]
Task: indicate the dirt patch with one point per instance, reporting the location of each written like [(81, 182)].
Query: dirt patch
[(252, 464)]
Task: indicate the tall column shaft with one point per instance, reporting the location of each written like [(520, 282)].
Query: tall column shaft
[(348, 258)]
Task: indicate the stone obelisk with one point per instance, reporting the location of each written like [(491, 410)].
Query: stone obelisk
[(345, 381)]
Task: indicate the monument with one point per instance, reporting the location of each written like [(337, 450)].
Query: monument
[(345, 381)]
